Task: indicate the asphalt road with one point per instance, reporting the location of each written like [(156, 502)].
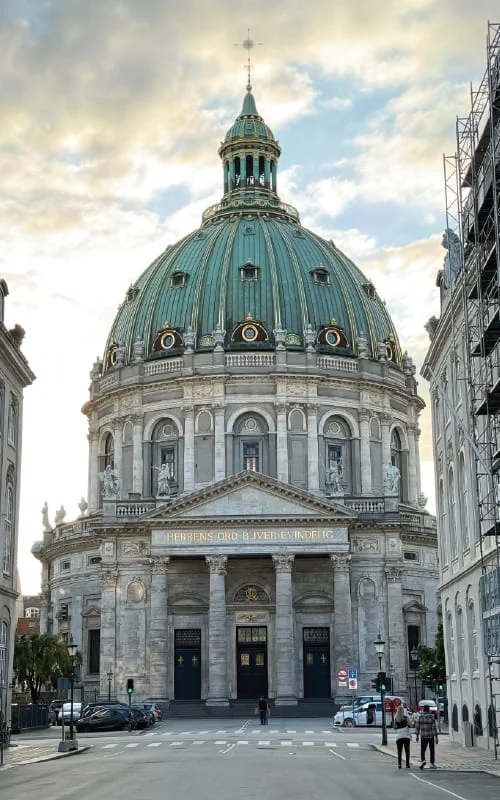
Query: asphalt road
[(233, 759)]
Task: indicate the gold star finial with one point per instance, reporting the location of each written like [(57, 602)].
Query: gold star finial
[(249, 44)]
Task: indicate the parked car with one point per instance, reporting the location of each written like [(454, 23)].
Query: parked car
[(154, 707), (90, 707), (65, 713), (54, 709), (116, 718), (150, 715), (431, 706), (141, 717)]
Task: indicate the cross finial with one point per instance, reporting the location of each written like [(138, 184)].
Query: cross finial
[(248, 44)]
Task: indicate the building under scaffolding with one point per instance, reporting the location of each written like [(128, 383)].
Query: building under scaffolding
[(463, 367)]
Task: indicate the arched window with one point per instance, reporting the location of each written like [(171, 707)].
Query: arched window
[(472, 637), (4, 641), (376, 456), (9, 532), (251, 444), (478, 720), (454, 717), (32, 612), (460, 642), (399, 460), (442, 525), (452, 519), (465, 521), (338, 452), (12, 424), (165, 459), (109, 452), (451, 644)]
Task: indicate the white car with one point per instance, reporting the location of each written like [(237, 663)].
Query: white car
[(349, 719), (65, 713)]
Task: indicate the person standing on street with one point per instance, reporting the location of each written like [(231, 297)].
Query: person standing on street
[(427, 730), (403, 736), (262, 710)]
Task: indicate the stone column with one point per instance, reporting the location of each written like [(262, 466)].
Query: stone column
[(107, 659), (343, 635), (417, 460), (137, 460), (188, 450), (364, 449), (396, 649), (158, 642), (219, 443), (312, 448), (412, 466), (217, 638), (281, 443), (284, 647), (94, 482), (118, 455), (385, 421)]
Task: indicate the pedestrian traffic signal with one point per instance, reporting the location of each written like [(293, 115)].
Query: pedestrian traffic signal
[(375, 684), (130, 685)]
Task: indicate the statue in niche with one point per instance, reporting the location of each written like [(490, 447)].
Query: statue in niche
[(110, 483), (333, 478), (392, 477), (163, 481), (47, 527)]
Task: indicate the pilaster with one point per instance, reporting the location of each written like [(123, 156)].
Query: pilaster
[(118, 454), (107, 659), (286, 690), (217, 637), (365, 457), (158, 642), (219, 442), (343, 636), (188, 450), (312, 447), (396, 639), (281, 443), (137, 459), (94, 483), (412, 466)]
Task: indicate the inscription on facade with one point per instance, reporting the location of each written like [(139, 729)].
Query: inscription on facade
[(278, 535)]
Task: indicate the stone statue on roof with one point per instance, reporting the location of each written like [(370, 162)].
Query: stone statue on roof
[(453, 258)]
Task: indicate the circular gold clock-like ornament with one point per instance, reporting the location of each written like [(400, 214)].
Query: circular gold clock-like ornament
[(249, 333)]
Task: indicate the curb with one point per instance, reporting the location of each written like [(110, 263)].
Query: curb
[(51, 757), (382, 749)]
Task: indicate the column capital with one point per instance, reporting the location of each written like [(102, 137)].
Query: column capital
[(364, 414), (159, 565), (109, 578), (385, 419), (281, 407), (188, 410), (137, 418), (341, 562), (394, 573), (117, 422), (217, 564), (283, 563), (312, 408)]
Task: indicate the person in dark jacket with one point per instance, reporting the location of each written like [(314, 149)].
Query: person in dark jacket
[(426, 728), (262, 710)]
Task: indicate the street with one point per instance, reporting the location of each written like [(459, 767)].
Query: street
[(228, 759)]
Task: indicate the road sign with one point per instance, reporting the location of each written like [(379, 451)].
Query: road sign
[(353, 673), (342, 674), (353, 683)]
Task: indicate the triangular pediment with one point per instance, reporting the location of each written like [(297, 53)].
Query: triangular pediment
[(415, 606), (91, 611), (251, 495)]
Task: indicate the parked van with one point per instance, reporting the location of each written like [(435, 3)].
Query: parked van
[(65, 713)]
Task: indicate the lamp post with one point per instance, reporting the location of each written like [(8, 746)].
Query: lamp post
[(72, 648), (109, 676), (379, 649), (414, 662)]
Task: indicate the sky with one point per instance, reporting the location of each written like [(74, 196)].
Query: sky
[(112, 113)]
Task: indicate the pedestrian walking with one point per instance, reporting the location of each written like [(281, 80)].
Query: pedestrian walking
[(263, 709), (426, 728), (403, 736)]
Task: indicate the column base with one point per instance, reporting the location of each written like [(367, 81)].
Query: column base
[(221, 702), (286, 700)]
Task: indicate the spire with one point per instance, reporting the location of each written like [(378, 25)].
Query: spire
[(249, 44), (249, 108)]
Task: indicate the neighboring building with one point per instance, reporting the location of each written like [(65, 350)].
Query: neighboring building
[(463, 367), (29, 620), (255, 515), (15, 375)]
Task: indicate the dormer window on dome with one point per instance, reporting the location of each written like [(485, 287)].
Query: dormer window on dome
[(321, 275), (249, 272), (178, 279), (249, 332), (167, 338), (332, 335), (390, 348)]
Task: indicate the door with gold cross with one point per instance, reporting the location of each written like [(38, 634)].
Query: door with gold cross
[(317, 682), (187, 664)]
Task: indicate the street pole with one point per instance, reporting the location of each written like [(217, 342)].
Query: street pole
[(384, 720), (71, 699), (110, 677), (379, 649)]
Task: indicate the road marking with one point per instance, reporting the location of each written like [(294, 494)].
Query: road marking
[(436, 786), (326, 731), (150, 734), (154, 744), (136, 744), (352, 744), (307, 744), (108, 746), (202, 733), (268, 742), (167, 734), (274, 731), (308, 731), (176, 744), (220, 731), (338, 755), (330, 744), (228, 748), (185, 733), (220, 742), (291, 731), (242, 742), (197, 742), (287, 743)]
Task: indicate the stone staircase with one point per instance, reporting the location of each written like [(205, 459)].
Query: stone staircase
[(184, 709)]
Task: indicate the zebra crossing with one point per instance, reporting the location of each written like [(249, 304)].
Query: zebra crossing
[(222, 742)]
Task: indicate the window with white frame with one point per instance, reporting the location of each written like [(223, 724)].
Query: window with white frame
[(460, 641), (451, 645), (9, 532), (4, 639), (452, 518), (442, 526), (31, 611), (473, 637), (464, 510)]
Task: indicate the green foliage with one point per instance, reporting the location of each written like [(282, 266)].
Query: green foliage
[(39, 660), (431, 665)]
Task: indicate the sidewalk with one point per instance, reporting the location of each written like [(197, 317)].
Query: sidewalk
[(29, 754), (451, 756)]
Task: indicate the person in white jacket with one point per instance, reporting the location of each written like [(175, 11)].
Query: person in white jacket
[(403, 736)]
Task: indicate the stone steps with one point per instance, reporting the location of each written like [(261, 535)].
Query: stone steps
[(243, 708)]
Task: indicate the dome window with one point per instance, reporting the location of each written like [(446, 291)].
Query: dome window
[(249, 272), (332, 335), (178, 279), (167, 338), (249, 332), (321, 276)]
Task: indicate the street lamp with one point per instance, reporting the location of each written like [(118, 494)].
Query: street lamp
[(379, 649), (109, 676), (72, 648), (414, 661)]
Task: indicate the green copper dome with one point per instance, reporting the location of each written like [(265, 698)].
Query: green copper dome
[(251, 277)]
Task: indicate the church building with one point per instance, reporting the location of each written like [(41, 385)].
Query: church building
[(254, 515)]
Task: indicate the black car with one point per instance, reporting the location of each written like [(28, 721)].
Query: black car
[(141, 718), (110, 718), (149, 714), (91, 707)]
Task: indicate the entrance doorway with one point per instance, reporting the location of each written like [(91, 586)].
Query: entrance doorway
[(251, 655), (317, 663), (187, 660)]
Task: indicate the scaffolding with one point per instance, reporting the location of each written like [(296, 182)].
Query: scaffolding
[(472, 193)]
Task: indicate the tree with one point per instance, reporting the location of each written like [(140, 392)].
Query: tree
[(40, 659), (431, 662)]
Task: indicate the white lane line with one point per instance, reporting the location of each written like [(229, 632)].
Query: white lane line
[(436, 786), (308, 731), (154, 744), (220, 731), (136, 744), (242, 742), (150, 734), (338, 755), (220, 742), (176, 744), (108, 746), (267, 742), (287, 743), (291, 731), (164, 734), (307, 744), (327, 731), (199, 742), (202, 733), (330, 744), (228, 748), (185, 733), (274, 731), (352, 744)]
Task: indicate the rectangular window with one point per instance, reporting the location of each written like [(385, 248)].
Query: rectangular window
[(413, 638), (187, 637), (94, 651), (251, 634), (95, 559), (410, 555), (167, 456), (251, 456), (334, 455), (7, 552), (12, 425), (66, 565)]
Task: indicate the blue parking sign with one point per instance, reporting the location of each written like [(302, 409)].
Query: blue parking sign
[(353, 673)]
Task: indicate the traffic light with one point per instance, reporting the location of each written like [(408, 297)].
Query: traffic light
[(375, 684), (382, 682), (130, 685)]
